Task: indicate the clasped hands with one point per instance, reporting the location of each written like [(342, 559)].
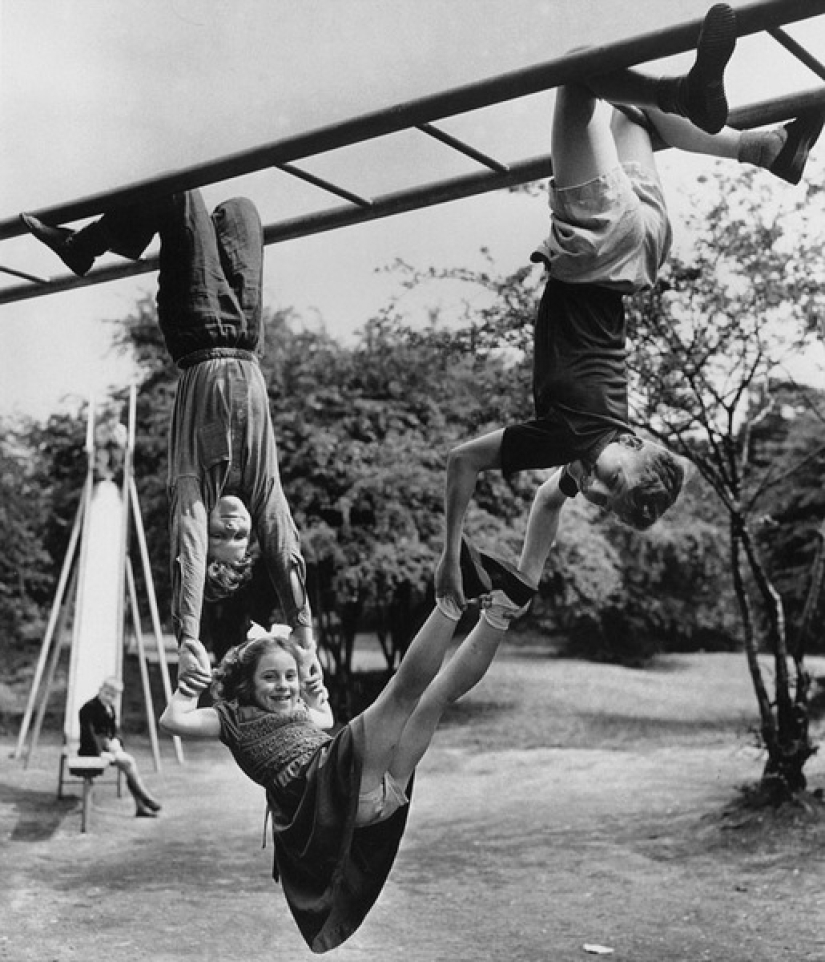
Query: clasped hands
[(194, 667)]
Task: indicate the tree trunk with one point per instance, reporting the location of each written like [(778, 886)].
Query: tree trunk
[(787, 738), (767, 726)]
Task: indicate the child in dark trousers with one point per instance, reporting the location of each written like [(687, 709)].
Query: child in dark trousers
[(610, 235), (224, 482)]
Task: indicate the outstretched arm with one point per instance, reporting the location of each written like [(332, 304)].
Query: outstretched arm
[(316, 698), (188, 532), (464, 465), (542, 527), (183, 717)]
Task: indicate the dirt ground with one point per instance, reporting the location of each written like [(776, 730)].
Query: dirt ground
[(563, 807)]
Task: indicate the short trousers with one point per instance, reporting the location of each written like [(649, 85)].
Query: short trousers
[(380, 803), (613, 231)]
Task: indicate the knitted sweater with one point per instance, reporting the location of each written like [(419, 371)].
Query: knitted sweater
[(265, 743)]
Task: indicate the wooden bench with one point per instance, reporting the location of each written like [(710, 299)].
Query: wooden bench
[(86, 768)]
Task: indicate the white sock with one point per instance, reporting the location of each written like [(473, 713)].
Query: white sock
[(501, 610), (448, 608), (761, 147)]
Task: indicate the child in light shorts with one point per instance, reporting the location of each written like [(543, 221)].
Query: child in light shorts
[(613, 230), (609, 237)]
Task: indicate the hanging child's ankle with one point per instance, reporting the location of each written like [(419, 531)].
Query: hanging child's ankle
[(501, 611), (761, 147), (448, 608), (671, 95), (496, 618)]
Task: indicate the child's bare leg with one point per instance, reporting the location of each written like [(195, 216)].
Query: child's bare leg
[(782, 150), (582, 144), (461, 673), (683, 135), (385, 719), (542, 528), (633, 144)]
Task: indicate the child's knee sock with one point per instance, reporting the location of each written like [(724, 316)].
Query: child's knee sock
[(761, 147), (502, 611), (783, 150), (448, 608)]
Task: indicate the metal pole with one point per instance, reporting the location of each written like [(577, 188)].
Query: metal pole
[(144, 669), (53, 617), (153, 605), (52, 669), (416, 198), (751, 18)]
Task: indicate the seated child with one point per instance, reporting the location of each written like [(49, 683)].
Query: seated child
[(100, 736)]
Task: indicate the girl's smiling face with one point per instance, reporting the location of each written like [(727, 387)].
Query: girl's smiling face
[(276, 683)]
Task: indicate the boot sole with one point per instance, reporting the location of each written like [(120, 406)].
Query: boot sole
[(715, 47)]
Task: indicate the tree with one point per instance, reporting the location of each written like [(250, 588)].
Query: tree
[(709, 343), (25, 564), (793, 505)]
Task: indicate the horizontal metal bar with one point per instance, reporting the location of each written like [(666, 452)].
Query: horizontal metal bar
[(24, 275), (427, 195), (463, 148), (751, 18), (324, 184), (777, 110), (801, 54)]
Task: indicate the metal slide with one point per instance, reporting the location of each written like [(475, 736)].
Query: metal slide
[(97, 639)]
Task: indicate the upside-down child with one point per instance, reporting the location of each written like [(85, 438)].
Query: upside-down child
[(339, 803), (610, 235), (223, 478)]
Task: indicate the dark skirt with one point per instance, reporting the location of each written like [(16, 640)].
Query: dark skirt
[(331, 872)]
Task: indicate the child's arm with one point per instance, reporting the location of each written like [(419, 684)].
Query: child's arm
[(542, 527), (189, 544), (183, 717), (464, 465), (316, 698)]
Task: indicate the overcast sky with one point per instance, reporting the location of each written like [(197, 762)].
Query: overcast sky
[(96, 94)]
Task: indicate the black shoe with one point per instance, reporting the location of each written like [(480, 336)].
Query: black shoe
[(59, 239), (802, 135), (152, 805), (474, 579), (704, 92), (145, 813), (508, 579)]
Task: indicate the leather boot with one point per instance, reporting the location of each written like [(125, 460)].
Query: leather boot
[(77, 249), (700, 96)]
